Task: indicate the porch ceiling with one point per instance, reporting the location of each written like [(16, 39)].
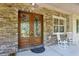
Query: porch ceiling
[(67, 7)]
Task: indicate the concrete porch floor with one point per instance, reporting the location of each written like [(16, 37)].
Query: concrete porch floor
[(54, 50)]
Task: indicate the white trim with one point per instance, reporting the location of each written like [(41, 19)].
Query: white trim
[(58, 17)]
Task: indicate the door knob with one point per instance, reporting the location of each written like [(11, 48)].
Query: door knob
[(31, 33)]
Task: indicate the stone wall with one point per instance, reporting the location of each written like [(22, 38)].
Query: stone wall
[(9, 24), (8, 29)]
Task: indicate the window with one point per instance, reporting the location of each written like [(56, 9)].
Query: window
[(77, 25), (59, 24)]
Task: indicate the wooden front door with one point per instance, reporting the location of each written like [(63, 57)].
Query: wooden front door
[(30, 29)]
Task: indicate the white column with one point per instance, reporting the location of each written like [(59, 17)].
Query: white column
[(75, 34)]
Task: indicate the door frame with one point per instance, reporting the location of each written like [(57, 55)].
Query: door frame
[(19, 21)]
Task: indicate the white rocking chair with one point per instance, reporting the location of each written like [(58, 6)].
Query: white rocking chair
[(62, 43)]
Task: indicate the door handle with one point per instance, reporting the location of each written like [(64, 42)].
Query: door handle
[(31, 33)]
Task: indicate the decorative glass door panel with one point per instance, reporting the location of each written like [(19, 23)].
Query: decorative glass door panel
[(30, 29), (25, 26), (37, 27)]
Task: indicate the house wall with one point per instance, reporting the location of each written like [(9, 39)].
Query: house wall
[(9, 24)]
